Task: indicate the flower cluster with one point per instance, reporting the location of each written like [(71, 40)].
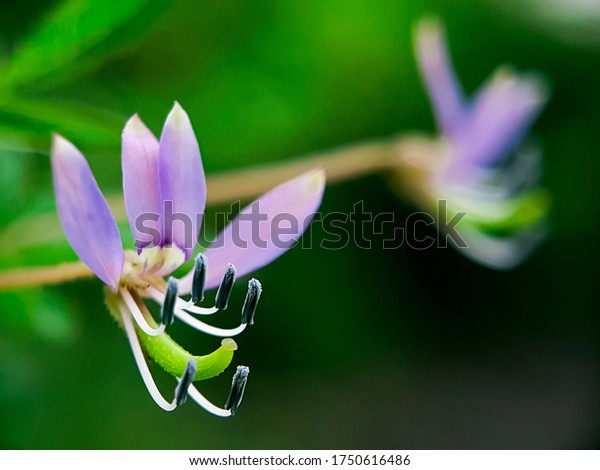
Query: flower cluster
[(161, 176)]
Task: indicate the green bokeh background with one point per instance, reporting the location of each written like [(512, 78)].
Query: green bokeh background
[(352, 348)]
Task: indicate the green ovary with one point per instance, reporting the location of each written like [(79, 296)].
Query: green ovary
[(521, 212), (173, 358), (170, 355)]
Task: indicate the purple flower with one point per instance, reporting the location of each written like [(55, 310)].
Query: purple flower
[(485, 129), (165, 195), (484, 171)]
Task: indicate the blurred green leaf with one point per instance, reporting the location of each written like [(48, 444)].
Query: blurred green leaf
[(64, 35), (39, 240), (27, 124), (13, 172), (38, 311)]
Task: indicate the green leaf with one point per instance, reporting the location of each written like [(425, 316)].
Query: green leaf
[(27, 124), (71, 29), (39, 311)]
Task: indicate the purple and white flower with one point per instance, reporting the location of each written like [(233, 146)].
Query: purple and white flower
[(167, 175), (485, 171)]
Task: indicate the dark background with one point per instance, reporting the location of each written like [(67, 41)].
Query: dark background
[(352, 348)]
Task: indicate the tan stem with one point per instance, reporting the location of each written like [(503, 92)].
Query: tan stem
[(43, 275), (340, 164), (400, 154)]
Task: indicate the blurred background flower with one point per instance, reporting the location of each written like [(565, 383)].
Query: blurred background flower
[(431, 350), (480, 174)]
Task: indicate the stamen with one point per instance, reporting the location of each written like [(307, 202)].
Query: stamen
[(238, 385), (181, 391), (225, 288), (185, 387), (141, 362), (199, 279), (189, 307), (251, 301), (159, 297), (207, 405), (138, 316), (208, 329), (168, 307)]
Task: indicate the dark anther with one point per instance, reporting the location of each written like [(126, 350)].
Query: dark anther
[(167, 313), (224, 290), (181, 391), (238, 385), (199, 279), (251, 301)]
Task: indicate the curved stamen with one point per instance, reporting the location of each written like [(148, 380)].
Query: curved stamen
[(209, 329), (238, 385), (181, 391), (195, 395), (141, 362), (224, 290), (168, 306), (138, 316), (159, 297), (199, 279), (251, 301), (191, 308), (221, 298), (182, 309)]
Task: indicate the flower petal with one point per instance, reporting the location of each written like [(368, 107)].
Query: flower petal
[(182, 182), (442, 85), (141, 188), (84, 213), (264, 230), (502, 113), (501, 253)]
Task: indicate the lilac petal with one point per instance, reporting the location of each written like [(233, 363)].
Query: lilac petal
[(141, 188), (255, 237), (436, 69), (182, 182), (84, 213), (502, 113)]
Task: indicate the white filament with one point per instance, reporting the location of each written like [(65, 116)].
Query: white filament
[(141, 362), (189, 306), (149, 381), (138, 316), (181, 311), (208, 329), (207, 405)]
